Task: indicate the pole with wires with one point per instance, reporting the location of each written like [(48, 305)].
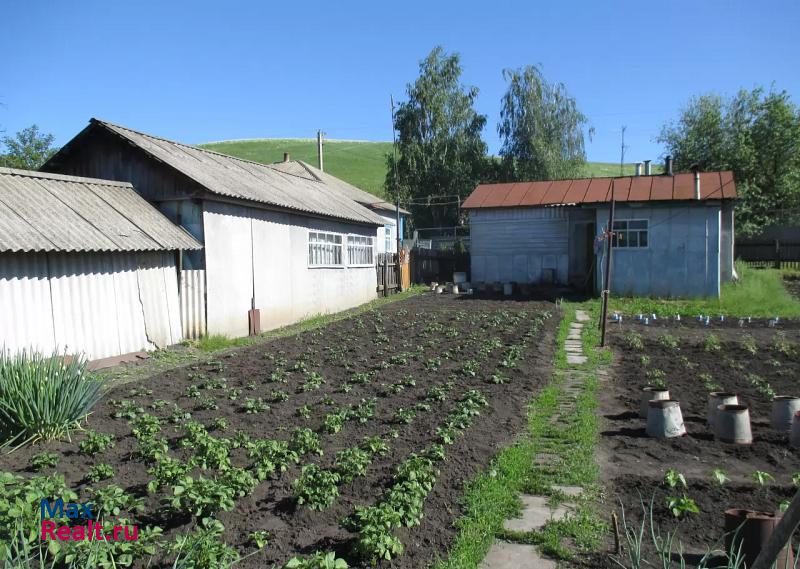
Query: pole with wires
[(397, 198), (607, 276)]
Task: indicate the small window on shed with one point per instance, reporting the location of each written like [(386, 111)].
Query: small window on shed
[(630, 234)]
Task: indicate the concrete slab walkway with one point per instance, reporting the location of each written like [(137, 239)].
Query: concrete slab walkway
[(535, 510)]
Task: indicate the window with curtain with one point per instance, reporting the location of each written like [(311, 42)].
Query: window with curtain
[(387, 231), (360, 250), (324, 249)]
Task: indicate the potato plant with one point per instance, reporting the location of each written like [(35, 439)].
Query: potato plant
[(316, 488)]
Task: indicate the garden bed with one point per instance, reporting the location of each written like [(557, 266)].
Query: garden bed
[(755, 361), (398, 373)]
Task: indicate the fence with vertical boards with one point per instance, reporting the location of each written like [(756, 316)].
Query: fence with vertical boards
[(775, 253), (386, 269)]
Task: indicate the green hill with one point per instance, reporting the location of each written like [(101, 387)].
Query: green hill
[(361, 163)]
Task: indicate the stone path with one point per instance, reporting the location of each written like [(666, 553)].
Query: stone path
[(535, 510)]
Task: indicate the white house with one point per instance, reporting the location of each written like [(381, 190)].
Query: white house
[(280, 239), (386, 236)]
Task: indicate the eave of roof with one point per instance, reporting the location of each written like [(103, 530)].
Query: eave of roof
[(245, 180), (52, 212)]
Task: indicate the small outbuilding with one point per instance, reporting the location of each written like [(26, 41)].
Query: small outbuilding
[(281, 243), (86, 267), (673, 235)]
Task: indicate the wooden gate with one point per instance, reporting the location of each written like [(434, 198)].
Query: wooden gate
[(386, 269)]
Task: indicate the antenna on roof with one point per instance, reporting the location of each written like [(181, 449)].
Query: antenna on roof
[(622, 153)]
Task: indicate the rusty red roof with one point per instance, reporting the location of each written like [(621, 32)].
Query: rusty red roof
[(713, 186)]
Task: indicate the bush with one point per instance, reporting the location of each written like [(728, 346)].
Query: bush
[(42, 397)]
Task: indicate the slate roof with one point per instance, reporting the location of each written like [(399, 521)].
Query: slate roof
[(225, 175), (300, 168), (51, 212)]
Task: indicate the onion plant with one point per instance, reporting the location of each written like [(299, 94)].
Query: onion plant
[(43, 397)]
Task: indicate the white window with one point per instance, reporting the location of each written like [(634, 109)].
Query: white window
[(387, 231), (360, 250), (630, 234), (324, 249)]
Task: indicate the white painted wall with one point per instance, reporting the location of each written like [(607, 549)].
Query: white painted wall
[(98, 304), (391, 222), (516, 244), (274, 263)]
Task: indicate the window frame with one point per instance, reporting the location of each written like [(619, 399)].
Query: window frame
[(627, 230), (371, 246), (387, 238), (341, 246)]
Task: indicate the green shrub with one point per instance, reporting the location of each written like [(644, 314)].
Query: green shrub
[(43, 398)]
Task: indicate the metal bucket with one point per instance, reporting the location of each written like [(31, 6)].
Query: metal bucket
[(665, 420), (732, 425), (783, 409), (717, 398), (794, 435), (439, 289), (750, 530), (649, 394)]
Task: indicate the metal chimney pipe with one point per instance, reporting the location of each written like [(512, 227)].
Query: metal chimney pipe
[(286, 157), (647, 170), (637, 168), (696, 170), (668, 166)]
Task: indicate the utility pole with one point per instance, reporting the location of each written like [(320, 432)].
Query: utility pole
[(622, 153), (397, 199), (607, 277), (320, 139)]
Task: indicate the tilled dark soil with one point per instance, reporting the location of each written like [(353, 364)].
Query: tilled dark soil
[(336, 352), (634, 465)]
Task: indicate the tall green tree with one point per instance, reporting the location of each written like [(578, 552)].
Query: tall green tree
[(28, 149), (540, 127), (440, 153), (757, 135)]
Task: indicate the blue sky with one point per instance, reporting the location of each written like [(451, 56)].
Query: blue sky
[(201, 71)]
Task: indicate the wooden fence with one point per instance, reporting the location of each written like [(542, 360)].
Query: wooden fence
[(776, 253), (438, 265), (386, 270)]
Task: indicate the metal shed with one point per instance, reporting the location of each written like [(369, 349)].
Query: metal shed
[(86, 266), (673, 233)]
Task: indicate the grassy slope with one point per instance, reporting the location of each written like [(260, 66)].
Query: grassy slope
[(363, 164)]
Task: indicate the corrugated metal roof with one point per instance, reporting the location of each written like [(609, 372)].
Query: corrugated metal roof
[(263, 183), (50, 212), (713, 185)]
